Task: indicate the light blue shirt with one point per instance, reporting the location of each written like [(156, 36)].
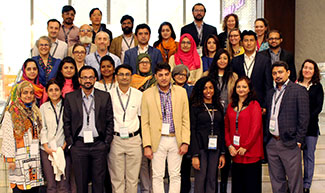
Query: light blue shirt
[(93, 60), (92, 124)]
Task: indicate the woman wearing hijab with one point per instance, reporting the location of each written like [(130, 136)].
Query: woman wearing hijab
[(144, 77)]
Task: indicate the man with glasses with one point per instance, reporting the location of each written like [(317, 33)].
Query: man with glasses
[(125, 41), (68, 31), (59, 48), (124, 158), (88, 128), (198, 29), (85, 38), (276, 53)]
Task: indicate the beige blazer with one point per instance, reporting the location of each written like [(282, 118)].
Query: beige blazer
[(116, 45), (93, 49), (151, 116)]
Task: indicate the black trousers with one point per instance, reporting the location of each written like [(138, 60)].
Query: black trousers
[(33, 190), (247, 178), (89, 159), (186, 173)]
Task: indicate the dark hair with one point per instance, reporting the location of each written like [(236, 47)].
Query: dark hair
[(125, 17), (88, 68), (199, 4), (280, 64), (214, 69), (225, 20), (107, 58), (197, 97), (53, 20), (68, 8), (316, 76), (274, 31), (93, 10), (142, 26), (248, 33), (126, 66), (29, 60), (52, 81), (160, 38), (59, 76), (78, 44), (205, 46), (266, 24), (162, 66), (251, 95)]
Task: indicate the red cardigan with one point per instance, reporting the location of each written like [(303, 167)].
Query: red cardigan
[(250, 130)]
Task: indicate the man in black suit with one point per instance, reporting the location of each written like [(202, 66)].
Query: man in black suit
[(88, 129), (254, 65), (198, 29), (276, 53), (286, 126)]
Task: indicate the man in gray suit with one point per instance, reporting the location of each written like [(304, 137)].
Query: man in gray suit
[(287, 121)]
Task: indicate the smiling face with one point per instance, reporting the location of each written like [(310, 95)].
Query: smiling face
[(68, 17), (223, 61), (79, 54), (234, 37), (181, 78), (308, 70), (242, 89), (231, 23), (102, 41), (87, 79), (107, 68), (31, 71), (186, 45), (260, 28), (68, 70), (44, 47), (163, 78), (280, 75), (198, 13), (208, 91), (144, 65), (54, 92), (124, 77), (211, 45), (274, 40), (249, 43), (166, 32), (27, 95), (53, 29)]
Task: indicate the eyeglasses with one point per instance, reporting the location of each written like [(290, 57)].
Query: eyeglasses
[(199, 10), (44, 45), (144, 62), (271, 39), (181, 75), (185, 42), (87, 78), (79, 53), (122, 74), (233, 36), (85, 30)]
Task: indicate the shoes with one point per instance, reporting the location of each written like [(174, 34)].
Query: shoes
[(306, 190)]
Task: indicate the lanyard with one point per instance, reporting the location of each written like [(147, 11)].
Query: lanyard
[(277, 99), (128, 45), (55, 48), (237, 116), (110, 87), (164, 106), (88, 110), (249, 67), (34, 124), (127, 102), (66, 34), (211, 116), (96, 58), (199, 35), (56, 116)]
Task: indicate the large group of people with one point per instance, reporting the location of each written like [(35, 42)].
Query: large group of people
[(91, 109)]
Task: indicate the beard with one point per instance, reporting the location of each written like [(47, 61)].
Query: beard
[(274, 47), (199, 18), (86, 86), (85, 39), (127, 30)]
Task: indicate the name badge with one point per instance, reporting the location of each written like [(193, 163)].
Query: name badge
[(88, 137), (124, 132), (53, 145), (236, 139), (199, 50), (34, 147), (272, 125), (165, 128), (213, 141)]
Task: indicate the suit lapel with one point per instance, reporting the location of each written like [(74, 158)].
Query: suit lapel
[(157, 99), (282, 105), (241, 67), (79, 104), (254, 70)]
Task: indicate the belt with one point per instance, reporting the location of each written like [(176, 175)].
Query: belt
[(276, 137), (130, 134), (170, 135)]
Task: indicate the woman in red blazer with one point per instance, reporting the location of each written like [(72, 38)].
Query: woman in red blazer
[(244, 138)]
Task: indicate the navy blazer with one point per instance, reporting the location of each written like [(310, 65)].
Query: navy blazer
[(131, 55), (207, 30), (288, 58), (42, 75), (293, 115), (261, 76), (73, 116)]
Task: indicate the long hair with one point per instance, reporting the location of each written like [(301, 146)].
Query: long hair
[(205, 46), (251, 95), (225, 20), (266, 24), (214, 69), (160, 38), (229, 45), (60, 78), (197, 97), (316, 76)]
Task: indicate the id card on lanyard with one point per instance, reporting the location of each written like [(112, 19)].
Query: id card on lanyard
[(212, 139), (88, 134), (236, 139), (124, 131)]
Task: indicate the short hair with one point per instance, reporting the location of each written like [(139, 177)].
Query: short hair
[(280, 64), (315, 79), (274, 31), (162, 66), (248, 33), (93, 10), (126, 66), (199, 4), (44, 38), (142, 26), (88, 68), (205, 45), (68, 8), (125, 17), (53, 20), (50, 82), (180, 68), (225, 20), (107, 58), (78, 44), (251, 94), (102, 32)]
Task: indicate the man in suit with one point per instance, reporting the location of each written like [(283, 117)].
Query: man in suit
[(125, 41), (198, 29), (276, 53), (254, 65), (165, 128), (142, 34), (88, 129), (286, 126)]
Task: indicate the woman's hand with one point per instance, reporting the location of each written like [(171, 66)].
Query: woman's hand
[(242, 151), (232, 150), (196, 163), (12, 166), (222, 161)]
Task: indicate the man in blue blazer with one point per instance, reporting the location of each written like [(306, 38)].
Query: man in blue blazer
[(142, 34)]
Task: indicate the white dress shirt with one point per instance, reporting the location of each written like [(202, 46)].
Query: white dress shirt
[(249, 64)]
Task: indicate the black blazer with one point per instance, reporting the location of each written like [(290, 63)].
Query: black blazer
[(223, 39), (288, 58), (316, 99), (293, 115), (191, 29), (73, 116), (261, 77)]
